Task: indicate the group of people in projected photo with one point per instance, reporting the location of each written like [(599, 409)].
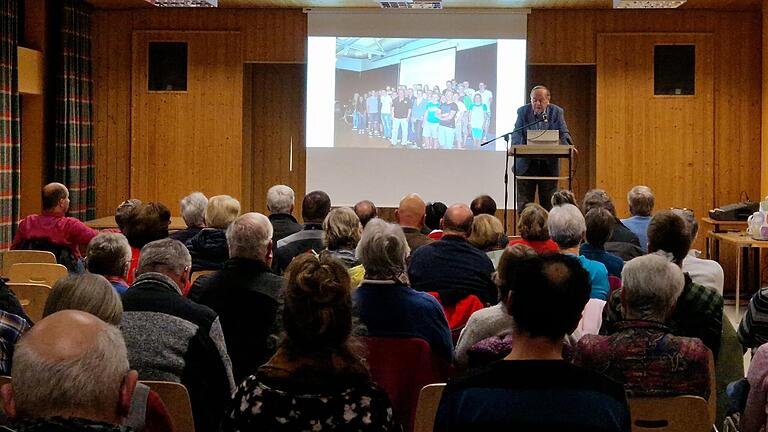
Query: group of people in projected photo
[(456, 116)]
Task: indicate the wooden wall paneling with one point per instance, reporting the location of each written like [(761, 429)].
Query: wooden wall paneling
[(672, 148), (187, 141), (562, 37), (764, 132), (276, 111)]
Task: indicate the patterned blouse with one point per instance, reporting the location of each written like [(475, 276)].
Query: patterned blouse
[(648, 359), (259, 405)]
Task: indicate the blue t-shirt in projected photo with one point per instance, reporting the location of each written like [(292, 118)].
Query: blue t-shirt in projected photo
[(432, 109)]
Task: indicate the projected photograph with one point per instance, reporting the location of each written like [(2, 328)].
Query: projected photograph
[(414, 93)]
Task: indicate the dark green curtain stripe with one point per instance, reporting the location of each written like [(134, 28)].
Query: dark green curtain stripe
[(73, 159), (10, 128)]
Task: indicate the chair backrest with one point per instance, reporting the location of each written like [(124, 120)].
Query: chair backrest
[(46, 274), (176, 400), (675, 414), (426, 409), (199, 273), (32, 297), (402, 366), (12, 257)]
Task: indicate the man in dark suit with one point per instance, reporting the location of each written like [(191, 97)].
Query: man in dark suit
[(555, 120)]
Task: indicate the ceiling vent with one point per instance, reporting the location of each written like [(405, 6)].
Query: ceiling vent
[(415, 4), (647, 4), (185, 3)]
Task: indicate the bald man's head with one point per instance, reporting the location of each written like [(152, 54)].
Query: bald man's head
[(55, 197), (411, 211), (457, 220), (71, 364)]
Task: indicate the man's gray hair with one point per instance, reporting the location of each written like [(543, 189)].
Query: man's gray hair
[(45, 387), (108, 254), (597, 198), (280, 199), (640, 200), (193, 209), (566, 226), (651, 285), (382, 250), (249, 236), (689, 218), (164, 256)]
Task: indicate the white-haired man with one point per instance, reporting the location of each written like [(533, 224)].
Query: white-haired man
[(172, 338), (280, 202), (245, 294), (193, 211), (70, 373), (641, 201)]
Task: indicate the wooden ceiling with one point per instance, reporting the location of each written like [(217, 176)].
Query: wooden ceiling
[(533, 4)]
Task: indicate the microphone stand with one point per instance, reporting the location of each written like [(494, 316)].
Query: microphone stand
[(507, 136)]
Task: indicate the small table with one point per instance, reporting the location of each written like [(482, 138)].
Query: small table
[(719, 226), (746, 244), (107, 222)]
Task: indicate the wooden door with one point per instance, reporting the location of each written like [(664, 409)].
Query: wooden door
[(664, 142)]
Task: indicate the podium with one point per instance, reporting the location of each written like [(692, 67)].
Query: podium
[(542, 151)]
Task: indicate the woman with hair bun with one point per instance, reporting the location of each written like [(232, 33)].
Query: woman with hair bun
[(315, 380)]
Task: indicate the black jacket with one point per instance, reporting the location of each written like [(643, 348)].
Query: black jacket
[(246, 296), (283, 225), (209, 249)]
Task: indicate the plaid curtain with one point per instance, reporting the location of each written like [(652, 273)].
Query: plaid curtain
[(73, 160), (10, 128)]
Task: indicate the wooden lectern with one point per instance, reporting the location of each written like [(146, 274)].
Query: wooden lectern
[(542, 151)]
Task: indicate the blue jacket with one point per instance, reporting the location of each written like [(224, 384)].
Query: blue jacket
[(555, 121)]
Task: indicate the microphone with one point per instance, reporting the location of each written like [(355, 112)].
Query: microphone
[(544, 117)]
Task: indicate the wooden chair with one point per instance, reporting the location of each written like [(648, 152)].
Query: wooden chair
[(674, 414), (426, 408), (46, 274), (32, 297), (197, 274), (176, 400), (12, 257)]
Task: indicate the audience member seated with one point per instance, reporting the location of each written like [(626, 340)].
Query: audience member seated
[(483, 204), (172, 338), (193, 212), (245, 294), (316, 380), (493, 321), (341, 233), (148, 222), (533, 229), (70, 373), (452, 267), (600, 224), (488, 236), (314, 209), (563, 196), (385, 304), (280, 202), (433, 215), (12, 327), (642, 353), (109, 255), (698, 312), (568, 229), (52, 230), (640, 200), (753, 328), (754, 417), (123, 213), (365, 211), (624, 243), (209, 247), (410, 216), (702, 271), (533, 388), (92, 293)]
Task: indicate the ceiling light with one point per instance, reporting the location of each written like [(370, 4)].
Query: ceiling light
[(185, 3), (647, 4)]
